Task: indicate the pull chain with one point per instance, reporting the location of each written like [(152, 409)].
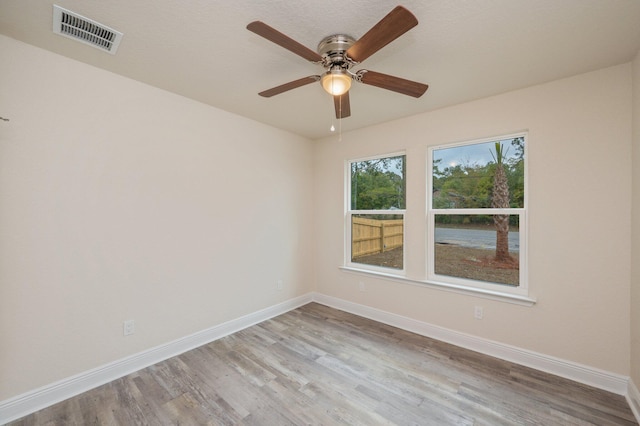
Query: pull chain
[(340, 122)]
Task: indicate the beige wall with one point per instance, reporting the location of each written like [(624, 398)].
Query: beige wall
[(635, 234), (579, 180), (121, 201)]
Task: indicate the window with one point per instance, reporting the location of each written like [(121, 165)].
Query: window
[(375, 213), (477, 214)]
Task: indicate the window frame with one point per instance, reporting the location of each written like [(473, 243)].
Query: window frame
[(349, 213), (522, 289)]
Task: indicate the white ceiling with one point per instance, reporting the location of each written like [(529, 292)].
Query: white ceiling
[(464, 49)]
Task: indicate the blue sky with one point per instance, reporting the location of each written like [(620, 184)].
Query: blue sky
[(479, 154)]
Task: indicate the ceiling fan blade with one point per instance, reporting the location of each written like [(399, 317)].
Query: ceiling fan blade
[(288, 86), (280, 39), (392, 26), (396, 84), (342, 105)]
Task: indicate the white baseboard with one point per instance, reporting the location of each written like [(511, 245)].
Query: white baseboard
[(27, 403), (38, 399), (633, 398), (580, 373)]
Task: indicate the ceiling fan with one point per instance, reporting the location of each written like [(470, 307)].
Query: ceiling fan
[(338, 53)]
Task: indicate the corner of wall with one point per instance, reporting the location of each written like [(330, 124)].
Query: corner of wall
[(635, 230), (633, 399)]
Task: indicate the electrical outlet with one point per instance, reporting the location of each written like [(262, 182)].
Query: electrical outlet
[(362, 286), (279, 285), (478, 312), (129, 327)]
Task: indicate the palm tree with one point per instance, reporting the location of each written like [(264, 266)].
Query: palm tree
[(499, 200)]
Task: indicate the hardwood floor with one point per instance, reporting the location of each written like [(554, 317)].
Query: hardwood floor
[(317, 365)]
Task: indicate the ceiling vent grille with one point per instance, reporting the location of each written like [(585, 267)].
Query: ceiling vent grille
[(72, 25)]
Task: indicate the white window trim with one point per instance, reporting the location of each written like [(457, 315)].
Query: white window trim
[(348, 264), (518, 296), (500, 290), (448, 287)]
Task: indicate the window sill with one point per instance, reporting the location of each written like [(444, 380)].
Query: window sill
[(454, 288)]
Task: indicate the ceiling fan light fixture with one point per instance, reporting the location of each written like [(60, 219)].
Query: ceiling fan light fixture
[(336, 82)]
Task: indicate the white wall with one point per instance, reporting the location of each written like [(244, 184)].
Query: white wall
[(635, 225), (121, 201), (579, 182)]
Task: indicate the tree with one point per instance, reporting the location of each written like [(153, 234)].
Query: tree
[(515, 174), (500, 200), (463, 186), (378, 184)]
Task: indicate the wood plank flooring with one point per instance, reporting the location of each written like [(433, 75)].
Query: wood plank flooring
[(317, 365)]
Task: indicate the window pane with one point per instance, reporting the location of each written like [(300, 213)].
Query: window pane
[(377, 240), (378, 184), (471, 247), (466, 177)]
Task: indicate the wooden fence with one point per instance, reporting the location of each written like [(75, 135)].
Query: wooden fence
[(370, 236)]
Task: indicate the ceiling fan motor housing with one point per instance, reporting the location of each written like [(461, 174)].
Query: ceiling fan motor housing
[(333, 50)]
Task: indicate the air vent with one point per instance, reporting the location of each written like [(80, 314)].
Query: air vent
[(72, 25)]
